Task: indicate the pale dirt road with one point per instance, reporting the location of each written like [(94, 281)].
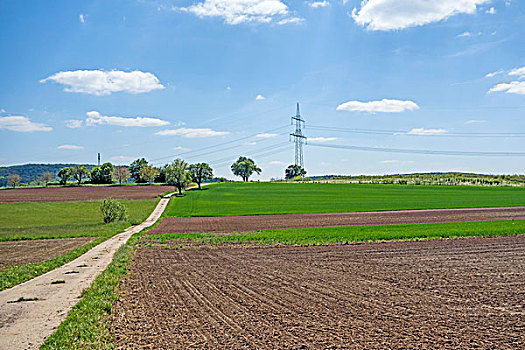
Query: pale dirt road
[(25, 325)]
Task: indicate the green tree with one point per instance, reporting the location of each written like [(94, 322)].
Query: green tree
[(177, 174), (102, 174), (134, 169), (245, 167), (148, 174), (80, 172), (65, 174), (47, 177), (13, 180), (200, 172), (294, 171), (121, 173)]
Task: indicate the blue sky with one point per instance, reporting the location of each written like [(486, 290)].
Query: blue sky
[(210, 80)]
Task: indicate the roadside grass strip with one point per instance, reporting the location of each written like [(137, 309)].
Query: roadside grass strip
[(14, 275), (86, 326), (229, 199), (44, 220), (349, 234)]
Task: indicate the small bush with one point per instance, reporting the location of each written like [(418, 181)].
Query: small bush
[(112, 210)]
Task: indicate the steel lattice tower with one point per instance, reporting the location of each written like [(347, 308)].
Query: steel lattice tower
[(298, 138)]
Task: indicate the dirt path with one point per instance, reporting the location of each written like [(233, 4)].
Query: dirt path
[(437, 294), (227, 224), (25, 325)]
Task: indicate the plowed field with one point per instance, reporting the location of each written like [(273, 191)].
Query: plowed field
[(32, 251), (263, 222), (438, 294), (69, 194)]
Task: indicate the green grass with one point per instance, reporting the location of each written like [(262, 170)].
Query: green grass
[(65, 219), (86, 326), (227, 199), (347, 234)]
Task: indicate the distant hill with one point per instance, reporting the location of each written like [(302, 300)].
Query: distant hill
[(31, 172)]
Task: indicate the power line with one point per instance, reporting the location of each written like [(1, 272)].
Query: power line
[(403, 132), (415, 151)]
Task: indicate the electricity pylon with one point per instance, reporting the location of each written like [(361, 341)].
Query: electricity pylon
[(298, 138)]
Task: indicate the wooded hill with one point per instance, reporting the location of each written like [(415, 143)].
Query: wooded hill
[(31, 172)]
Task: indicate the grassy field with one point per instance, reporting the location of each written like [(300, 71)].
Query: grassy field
[(227, 199), (65, 219), (348, 234)]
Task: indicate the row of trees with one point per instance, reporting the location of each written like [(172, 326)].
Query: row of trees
[(178, 173)]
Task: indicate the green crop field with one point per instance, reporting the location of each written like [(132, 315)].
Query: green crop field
[(348, 234), (65, 219), (227, 199)]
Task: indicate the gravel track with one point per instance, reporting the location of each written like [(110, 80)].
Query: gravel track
[(437, 294), (228, 224)]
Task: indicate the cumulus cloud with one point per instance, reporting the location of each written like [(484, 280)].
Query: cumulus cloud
[(70, 147), (514, 87), (322, 139), (100, 83), (491, 11), (266, 135), (122, 158), (180, 148), (318, 4), (493, 74), (74, 123), (82, 18), (191, 133), (401, 14), (22, 124), (475, 121), (260, 97), (291, 20), (385, 105), (518, 71), (241, 11), (95, 118), (427, 132), (464, 34)]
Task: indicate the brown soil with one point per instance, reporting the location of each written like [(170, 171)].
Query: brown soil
[(69, 194), (438, 294), (227, 224), (33, 251)]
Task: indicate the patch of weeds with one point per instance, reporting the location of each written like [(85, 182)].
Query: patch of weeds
[(22, 299), (58, 282)]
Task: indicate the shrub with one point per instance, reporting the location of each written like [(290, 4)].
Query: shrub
[(112, 210)]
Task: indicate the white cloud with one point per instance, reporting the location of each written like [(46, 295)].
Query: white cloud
[(493, 74), (518, 71), (74, 123), (260, 97), (427, 132), (491, 11), (95, 118), (228, 87), (21, 124), (122, 158), (464, 34), (82, 18), (322, 139), (2, 110), (266, 135), (276, 162), (475, 121), (99, 83), (70, 147), (180, 148), (242, 11), (385, 105), (401, 14), (191, 133), (514, 87), (291, 20), (250, 143), (317, 4)]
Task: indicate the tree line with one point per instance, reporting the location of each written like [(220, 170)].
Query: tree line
[(178, 173)]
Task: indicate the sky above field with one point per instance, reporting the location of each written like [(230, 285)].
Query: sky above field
[(210, 80)]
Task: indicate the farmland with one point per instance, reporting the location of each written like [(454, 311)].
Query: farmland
[(291, 198), (459, 293), (81, 193)]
